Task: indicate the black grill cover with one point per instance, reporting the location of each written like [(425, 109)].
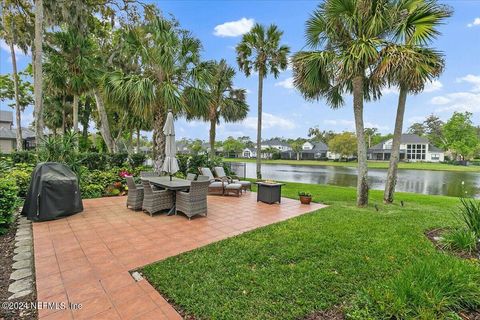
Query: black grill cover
[(53, 193)]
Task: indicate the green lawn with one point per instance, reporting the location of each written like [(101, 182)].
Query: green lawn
[(371, 164), (377, 265)]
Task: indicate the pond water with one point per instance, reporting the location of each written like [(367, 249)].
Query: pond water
[(418, 181)]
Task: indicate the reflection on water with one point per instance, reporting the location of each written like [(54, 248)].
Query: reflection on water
[(418, 181)]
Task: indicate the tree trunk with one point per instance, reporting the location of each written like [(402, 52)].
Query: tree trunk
[(159, 137), (64, 116), (104, 126), (17, 98), (298, 156), (259, 125), (213, 128), (138, 140), (362, 179), (395, 155), (38, 72), (75, 113)]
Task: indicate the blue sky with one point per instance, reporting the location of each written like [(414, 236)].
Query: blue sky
[(219, 25)]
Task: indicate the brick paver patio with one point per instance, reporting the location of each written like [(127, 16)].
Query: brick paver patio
[(85, 259)]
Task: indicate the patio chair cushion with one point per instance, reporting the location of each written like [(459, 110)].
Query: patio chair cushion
[(207, 172), (216, 184), (233, 186), (243, 183)]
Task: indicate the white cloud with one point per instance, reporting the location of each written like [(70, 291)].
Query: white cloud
[(458, 101), (476, 22), (234, 28), (269, 121), (432, 86), (416, 119), (18, 52), (350, 124), (390, 90), (287, 83), (472, 79)]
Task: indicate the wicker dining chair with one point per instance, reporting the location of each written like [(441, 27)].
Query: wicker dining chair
[(191, 176), (135, 194), (195, 201), (155, 200)]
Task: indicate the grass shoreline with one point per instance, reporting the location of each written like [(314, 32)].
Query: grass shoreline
[(337, 256), (371, 164)]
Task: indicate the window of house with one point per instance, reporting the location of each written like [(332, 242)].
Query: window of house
[(435, 156), (246, 154), (416, 151)]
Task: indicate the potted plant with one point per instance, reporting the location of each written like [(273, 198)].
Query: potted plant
[(305, 197)]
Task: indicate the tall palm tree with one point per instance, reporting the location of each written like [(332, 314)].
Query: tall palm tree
[(71, 53), (225, 101), (409, 64), (38, 71), (15, 31), (345, 37), (260, 50), (166, 80)]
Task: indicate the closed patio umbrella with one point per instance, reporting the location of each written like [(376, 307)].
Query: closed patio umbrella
[(170, 164)]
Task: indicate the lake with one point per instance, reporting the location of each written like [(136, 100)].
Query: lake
[(418, 181)]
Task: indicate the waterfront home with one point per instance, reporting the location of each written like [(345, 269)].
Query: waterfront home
[(310, 151), (412, 148), (281, 146), (8, 135)]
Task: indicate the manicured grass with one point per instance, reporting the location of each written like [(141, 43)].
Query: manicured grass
[(337, 256), (371, 164)]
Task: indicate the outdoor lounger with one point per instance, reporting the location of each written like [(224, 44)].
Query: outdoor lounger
[(220, 173)]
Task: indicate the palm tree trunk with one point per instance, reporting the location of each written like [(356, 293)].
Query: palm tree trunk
[(395, 154), (159, 138), (362, 179), (17, 98), (64, 117), (259, 125), (213, 127), (104, 126), (75, 113), (138, 140), (38, 72)]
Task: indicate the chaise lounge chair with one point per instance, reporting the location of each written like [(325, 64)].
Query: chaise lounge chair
[(220, 173), (216, 186), (194, 201)]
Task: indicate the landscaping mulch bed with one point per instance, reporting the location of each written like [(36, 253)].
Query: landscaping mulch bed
[(7, 245), (470, 315), (433, 236)]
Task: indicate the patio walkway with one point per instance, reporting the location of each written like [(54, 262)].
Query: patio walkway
[(84, 259)]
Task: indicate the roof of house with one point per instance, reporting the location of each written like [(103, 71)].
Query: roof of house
[(317, 147), (275, 142), (6, 116), (407, 138), (12, 134), (252, 149)]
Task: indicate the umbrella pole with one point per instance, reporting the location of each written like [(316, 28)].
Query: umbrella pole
[(170, 177)]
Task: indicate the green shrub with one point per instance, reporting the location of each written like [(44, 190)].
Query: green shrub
[(22, 173), (118, 159), (92, 191), (469, 213), (61, 149), (9, 202), (29, 157), (94, 160), (137, 159), (460, 240), (435, 288)]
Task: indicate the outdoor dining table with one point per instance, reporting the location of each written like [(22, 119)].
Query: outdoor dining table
[(174, 184)]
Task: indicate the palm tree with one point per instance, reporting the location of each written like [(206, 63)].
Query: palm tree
[(166, 80), (13, 24), (409, 65), (225, 101), (260, 50), (38, 71), (345, 37), (70, 53)]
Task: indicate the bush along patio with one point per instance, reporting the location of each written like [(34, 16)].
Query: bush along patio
[(371, 263)]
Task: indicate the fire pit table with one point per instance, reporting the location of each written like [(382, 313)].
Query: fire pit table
[(269, 192)]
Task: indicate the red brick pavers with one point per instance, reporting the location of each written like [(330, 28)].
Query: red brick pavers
[(85, 259)]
